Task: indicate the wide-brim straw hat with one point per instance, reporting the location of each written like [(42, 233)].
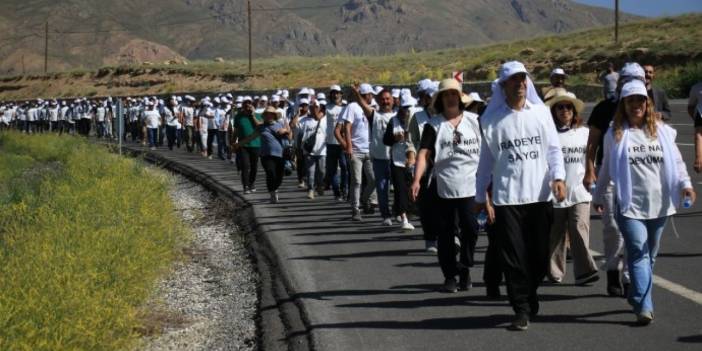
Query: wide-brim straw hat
[(273, 110), (561, 95), (446, 85)]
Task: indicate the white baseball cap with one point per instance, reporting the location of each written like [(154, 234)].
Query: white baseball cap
[(247, 98), (558, 72), (632, 70), (377, 90), (321, 96), (475, 97), (264, 98), (304, 101), (275, 98), (335, 88), (511, 68), (396, 93), (366, 89), (634, 87)]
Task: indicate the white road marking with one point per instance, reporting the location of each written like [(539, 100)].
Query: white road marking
[(685, 144), (675, 288), (681, 124)]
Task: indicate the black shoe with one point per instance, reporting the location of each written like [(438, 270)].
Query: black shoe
[(493, 292), (625, 290), (368, 209), (519, 323), (449, 286), (587, 278), (464, 282), (614, 284)]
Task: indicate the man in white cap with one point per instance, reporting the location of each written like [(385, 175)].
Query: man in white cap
[(599, 122), (427, 199), (521, 157), (557, 78), (336, 161), (152, 119), (356, 143), (188, 116), (694, 109)]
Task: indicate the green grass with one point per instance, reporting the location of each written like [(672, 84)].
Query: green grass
[(84, 235)]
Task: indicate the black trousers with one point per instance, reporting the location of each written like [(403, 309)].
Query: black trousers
[(211, 135), (400, 183), (274, 168), (492, 273), (522, 233), (427, 210), (451, 211), (171, 136), (248, 158)]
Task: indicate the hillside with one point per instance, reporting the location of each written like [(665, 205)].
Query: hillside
[(87, 34), (670, 44)]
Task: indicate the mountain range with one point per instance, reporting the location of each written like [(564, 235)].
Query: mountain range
[(85, 34)]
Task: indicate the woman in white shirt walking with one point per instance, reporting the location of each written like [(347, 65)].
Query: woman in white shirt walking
[(572, 216), (651, 180), (451, 141)]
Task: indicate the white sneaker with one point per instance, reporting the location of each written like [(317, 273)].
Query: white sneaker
[(387, 221), (430, 246), (457, 241), (407, 226), (399, 219), (301, 185), (310, 194)]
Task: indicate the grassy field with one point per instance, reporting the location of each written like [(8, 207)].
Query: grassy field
[(671, 44), (84, 235)]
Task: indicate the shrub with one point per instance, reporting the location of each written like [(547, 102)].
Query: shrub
[(84, 235)]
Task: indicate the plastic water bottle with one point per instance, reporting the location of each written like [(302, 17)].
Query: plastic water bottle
[(593, 186), (482, 220), (687, 202), (411, 170)]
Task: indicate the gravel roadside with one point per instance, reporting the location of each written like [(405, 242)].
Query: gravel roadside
[(210, 298)]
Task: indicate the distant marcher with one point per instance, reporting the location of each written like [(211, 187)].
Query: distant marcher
[(694, 109), (572, 216), (521, 156), (557, 78), (656, 94), (337, 172), (427, 192), (609, 81), (152, 119), (313, 129), (357, 143), (188, 116), (651, 180), (245, 123)]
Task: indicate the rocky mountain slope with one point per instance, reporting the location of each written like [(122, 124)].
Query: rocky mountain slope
[(93, 33)]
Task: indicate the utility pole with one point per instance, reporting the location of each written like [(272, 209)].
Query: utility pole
[(248, 5), (616, 21), (46, 46)]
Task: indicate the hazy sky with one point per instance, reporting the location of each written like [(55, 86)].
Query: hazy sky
[(651, 8)]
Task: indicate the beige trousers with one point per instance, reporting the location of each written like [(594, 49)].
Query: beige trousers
[(575, 222)]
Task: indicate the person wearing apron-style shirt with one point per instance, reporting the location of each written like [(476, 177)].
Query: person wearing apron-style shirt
[(451, 141)]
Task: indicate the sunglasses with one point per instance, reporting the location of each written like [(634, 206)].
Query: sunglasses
[(565, 107)]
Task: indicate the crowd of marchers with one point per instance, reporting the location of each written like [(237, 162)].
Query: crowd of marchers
[(524, 165)]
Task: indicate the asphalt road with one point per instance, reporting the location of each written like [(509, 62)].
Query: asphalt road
[(366, 287)]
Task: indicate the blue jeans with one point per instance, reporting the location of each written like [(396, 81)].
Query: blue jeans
[(336, 160), (152, 133), (642, 241), (381, 170), (315, 171)]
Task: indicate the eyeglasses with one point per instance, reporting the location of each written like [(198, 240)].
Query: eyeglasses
[(565, 107)]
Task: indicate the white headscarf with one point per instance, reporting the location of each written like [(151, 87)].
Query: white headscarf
[(498, 99)]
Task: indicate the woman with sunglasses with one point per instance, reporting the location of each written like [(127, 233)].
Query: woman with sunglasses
[(452, 144), (572, 216), (650, 179)]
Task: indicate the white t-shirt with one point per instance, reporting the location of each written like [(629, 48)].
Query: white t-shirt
[(333, 112), (188, 114), (647, 176), (574, 147), (32, 114), (100, 114), (63, 114), (456, 156), (359, 128), (53, 114), (152, 119), (221, 119), (521, 155), (171, 119), (378, 150), (308, 126), (398, 151)]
